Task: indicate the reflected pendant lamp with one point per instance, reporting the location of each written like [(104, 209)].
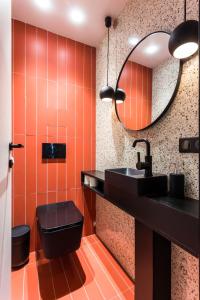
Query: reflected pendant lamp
[(120, 96), (107, 93), (183, 41)]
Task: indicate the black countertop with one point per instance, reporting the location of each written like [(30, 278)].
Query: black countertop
[(99, 175), (176, 219), (186, 205)]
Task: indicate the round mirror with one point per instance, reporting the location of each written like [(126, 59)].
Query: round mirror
[(150, 77)]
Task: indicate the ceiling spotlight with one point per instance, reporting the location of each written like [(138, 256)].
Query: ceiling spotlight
[(183, 41), (107, 93), (44, 5), (120, 96), (77, 16)]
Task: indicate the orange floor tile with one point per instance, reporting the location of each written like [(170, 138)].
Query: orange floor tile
[(91, 273)]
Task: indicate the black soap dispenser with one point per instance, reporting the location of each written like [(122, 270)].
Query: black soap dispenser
[(176, 184)]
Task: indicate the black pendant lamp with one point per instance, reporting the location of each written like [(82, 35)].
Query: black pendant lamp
[(107, 93), (120, 96), (183, 41)]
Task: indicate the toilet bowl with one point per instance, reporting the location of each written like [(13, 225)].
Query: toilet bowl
[(60, 227)]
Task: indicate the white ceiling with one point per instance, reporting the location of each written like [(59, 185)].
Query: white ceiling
[(160, 41), (56, 20)]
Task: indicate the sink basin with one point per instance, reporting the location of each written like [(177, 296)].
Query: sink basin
[(128, 172), (125, 184)]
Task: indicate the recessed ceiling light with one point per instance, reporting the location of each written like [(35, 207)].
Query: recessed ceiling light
[(152, 49), (44, 5), (133, 40), (77, 15)]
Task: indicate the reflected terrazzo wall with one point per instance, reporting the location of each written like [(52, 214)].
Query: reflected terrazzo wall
[(114, 144), (164, 82)]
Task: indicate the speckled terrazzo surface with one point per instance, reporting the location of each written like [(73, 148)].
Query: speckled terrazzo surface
[(114, 149), (164, 81), (112, 233)]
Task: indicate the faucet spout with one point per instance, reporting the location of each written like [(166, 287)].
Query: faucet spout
[(148, 151), (147, 165)]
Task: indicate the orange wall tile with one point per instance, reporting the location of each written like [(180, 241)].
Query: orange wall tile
[(136, 80), (53, 101)]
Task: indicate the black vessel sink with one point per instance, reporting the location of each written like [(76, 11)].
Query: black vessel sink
[(125, 184)]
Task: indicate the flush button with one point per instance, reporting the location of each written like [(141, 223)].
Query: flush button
[(186, 145)]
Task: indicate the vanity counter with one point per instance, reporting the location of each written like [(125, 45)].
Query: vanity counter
[(99, 175), (175, 219)]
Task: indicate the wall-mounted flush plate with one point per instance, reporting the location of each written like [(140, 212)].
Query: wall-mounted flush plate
[(189, 145)]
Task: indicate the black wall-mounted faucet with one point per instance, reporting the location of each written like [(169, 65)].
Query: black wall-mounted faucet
[(147, 165)]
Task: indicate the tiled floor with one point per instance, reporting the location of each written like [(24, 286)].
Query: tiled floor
[(91, 273)]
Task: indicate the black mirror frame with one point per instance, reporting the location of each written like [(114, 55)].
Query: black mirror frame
[(173, 95)]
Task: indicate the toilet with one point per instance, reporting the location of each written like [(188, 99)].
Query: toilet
[(60, 227)]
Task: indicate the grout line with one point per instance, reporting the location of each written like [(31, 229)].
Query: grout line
[(107, 258), (50, 270), (84, 58), (25, 99), (52, 80), (13, 119), (57, 114), (75, 118), (130, 91), (47, 107), (77, 271), (66, 112), (136, 94), (146, 97), (91, 99), (91, 137), (142, 106), (38, 283), (88, 238), (36, 135), (89, 267), (23, 284), (103, 268), (122, 293), (65, 275), (83, 133)]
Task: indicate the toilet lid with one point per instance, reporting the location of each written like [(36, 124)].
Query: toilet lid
[(58, 216)]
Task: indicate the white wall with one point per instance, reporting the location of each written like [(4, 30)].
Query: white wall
[(5, 138)]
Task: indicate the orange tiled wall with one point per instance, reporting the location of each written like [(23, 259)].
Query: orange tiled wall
[(136, 111), (53, 101)]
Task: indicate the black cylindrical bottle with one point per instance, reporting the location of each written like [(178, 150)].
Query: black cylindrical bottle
[(176, 185)]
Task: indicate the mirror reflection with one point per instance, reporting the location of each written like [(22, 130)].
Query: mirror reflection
[(150, 78)]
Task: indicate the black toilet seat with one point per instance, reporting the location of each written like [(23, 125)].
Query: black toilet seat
[(58, 216)]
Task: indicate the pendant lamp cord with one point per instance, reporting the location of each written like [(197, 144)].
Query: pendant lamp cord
[(185, 10), (108, 55)]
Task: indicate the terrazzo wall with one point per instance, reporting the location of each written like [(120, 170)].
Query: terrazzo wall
[(114, 227)]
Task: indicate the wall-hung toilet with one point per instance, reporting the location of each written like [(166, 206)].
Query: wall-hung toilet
[(60, 226)]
